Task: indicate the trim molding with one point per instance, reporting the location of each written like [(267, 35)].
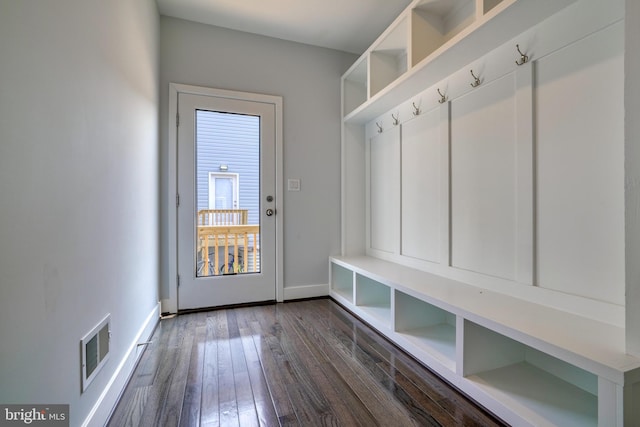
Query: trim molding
[(308, 291), (166, 306), (101, 411)]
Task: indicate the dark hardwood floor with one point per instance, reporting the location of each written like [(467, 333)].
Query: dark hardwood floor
[(302, 363)]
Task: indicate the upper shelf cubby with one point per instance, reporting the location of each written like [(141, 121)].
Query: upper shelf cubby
[(487, 5), (389, 57), (434, 22), (429, 41), (354, 85)]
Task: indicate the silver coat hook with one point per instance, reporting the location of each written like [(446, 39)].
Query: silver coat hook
[(379, 127), (476, 81), (416, 109), (443, 98), (523, 58), (396, 122)]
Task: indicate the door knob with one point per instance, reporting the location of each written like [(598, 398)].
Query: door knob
[(270, 212)]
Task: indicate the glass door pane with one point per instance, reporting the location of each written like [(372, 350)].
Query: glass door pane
[(227, 193)]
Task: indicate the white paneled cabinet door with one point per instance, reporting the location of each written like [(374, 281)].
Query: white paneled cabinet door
[(421, 187), (384, 191), (483, 180), (579, 128)]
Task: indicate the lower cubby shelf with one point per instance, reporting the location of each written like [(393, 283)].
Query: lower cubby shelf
[(541, 388), (539, 396), (427, 328), (520, 370), (342, 282), (374, 299), (437, 341)]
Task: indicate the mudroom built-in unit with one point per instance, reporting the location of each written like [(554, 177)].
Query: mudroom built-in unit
[(483, 204)]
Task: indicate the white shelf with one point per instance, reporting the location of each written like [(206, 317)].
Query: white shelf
[(434, 22), (342, 282), (523, 360), (342, 293), (487, 5), (426, 328), (534, 385), (552, 331), (512, 17), (438, 340), (354, 86), (374, 299), (540, 397), (388, 59), (380, 313)]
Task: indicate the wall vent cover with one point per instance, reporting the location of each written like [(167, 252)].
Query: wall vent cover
[(95, 350)]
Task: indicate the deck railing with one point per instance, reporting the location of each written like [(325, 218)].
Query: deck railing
[(222, 217), (228, 249)]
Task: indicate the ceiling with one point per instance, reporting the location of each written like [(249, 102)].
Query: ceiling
[(347, 25)]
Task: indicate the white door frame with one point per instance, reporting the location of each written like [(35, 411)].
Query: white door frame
[(171, 304)]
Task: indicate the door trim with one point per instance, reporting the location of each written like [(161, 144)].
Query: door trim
[(170, 305)]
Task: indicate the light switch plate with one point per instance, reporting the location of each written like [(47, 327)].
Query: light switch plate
[(293, 185)]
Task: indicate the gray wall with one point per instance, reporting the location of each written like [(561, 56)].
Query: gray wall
[(79, 189), (308, 79), (632, 175)]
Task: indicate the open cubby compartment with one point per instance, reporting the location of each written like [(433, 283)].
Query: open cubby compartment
[(534, 385), (487, 5), (342, 281), (426, 328), (435, 22), (354, 85), (388, 59), (374, 299)]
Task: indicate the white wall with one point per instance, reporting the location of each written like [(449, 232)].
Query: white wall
[(79, 189), (308, 79), (632, 175)]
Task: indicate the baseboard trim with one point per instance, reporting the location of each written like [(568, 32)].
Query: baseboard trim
[(168, 306), (101, 411), (308, 291)]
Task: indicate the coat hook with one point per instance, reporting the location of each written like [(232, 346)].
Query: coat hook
[(416, 109), (523, 58), (379, 127), (396, 122), (476, 82), (443, 98)]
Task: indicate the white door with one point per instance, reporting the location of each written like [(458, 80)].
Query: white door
[(225, 258), (223, 190)]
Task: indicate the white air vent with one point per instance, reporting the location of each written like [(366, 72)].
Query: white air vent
[(95, 350)]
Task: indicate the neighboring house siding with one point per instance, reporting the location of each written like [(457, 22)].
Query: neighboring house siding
[(232, 140)]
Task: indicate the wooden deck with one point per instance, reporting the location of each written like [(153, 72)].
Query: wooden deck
[(306, 363)]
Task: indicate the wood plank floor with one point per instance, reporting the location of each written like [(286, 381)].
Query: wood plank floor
[(308, 363)]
